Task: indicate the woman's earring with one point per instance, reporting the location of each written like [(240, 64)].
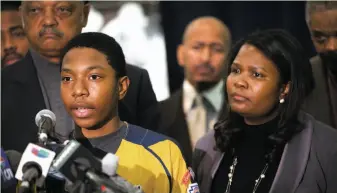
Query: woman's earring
[(281, 101)]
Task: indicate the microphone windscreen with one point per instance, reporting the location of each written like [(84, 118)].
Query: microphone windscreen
[(14, 158), (110, 164), (45, 113)]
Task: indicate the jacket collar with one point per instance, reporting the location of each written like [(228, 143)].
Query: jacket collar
[(293, 162), (294, 159), (27, 69), (320, 93)]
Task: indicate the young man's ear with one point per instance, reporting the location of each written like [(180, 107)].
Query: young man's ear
[(123, 85)]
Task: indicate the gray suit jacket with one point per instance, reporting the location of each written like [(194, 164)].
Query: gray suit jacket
[(308, 163), (318, 103)]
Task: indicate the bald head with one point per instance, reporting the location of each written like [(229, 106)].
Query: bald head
[(210, 23), (204, 50)]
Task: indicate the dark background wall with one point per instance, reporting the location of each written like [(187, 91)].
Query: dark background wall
[(241, 17)]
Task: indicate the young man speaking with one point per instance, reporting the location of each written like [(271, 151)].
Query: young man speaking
[(93, 79)]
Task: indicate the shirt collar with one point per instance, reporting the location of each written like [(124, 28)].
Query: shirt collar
[(214, 95)]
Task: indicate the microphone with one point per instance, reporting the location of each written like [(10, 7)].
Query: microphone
[(46, 121), (109, 161), (9, 163), (110, 164), (116, 183), (71, 154), (78, 165), (34, 166), (74, 162), (101, 182)]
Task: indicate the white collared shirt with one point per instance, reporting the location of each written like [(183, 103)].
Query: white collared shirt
[(214, 95), (201, 119)]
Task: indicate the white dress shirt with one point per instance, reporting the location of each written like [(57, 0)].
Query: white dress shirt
[(201, 117)]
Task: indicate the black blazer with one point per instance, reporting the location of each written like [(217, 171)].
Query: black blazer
[(173, 124), (22, 98), (308, 163), (317, 104)]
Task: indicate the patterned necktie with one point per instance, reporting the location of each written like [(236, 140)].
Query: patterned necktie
[(197, 120), (200, 119)]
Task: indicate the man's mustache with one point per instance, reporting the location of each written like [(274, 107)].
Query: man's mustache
[(206, 65), (52, 30)]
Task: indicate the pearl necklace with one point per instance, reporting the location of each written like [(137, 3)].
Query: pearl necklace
[(231, 173)]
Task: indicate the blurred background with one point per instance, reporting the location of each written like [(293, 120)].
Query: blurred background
[(150, 31)]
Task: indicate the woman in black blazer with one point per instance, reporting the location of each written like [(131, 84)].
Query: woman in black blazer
[(263, 142)]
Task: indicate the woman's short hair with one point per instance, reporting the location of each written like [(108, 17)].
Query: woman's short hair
[(293, 66)]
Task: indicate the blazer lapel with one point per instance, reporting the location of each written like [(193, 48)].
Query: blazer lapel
[(171, 112), (181, 131), (317, 104), (31, 86), (293, 161), (218, 156), (27, 70), (174, 123), (210, 160), (29, 93), (23, 97)]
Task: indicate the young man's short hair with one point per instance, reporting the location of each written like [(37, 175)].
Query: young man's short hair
[(102, 43)]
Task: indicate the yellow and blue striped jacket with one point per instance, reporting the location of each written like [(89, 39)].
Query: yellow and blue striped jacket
[(153, 161)]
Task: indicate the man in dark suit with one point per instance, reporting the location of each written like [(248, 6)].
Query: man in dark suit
[(321, 18), (14, 44), (191, 111), (33, 83)]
